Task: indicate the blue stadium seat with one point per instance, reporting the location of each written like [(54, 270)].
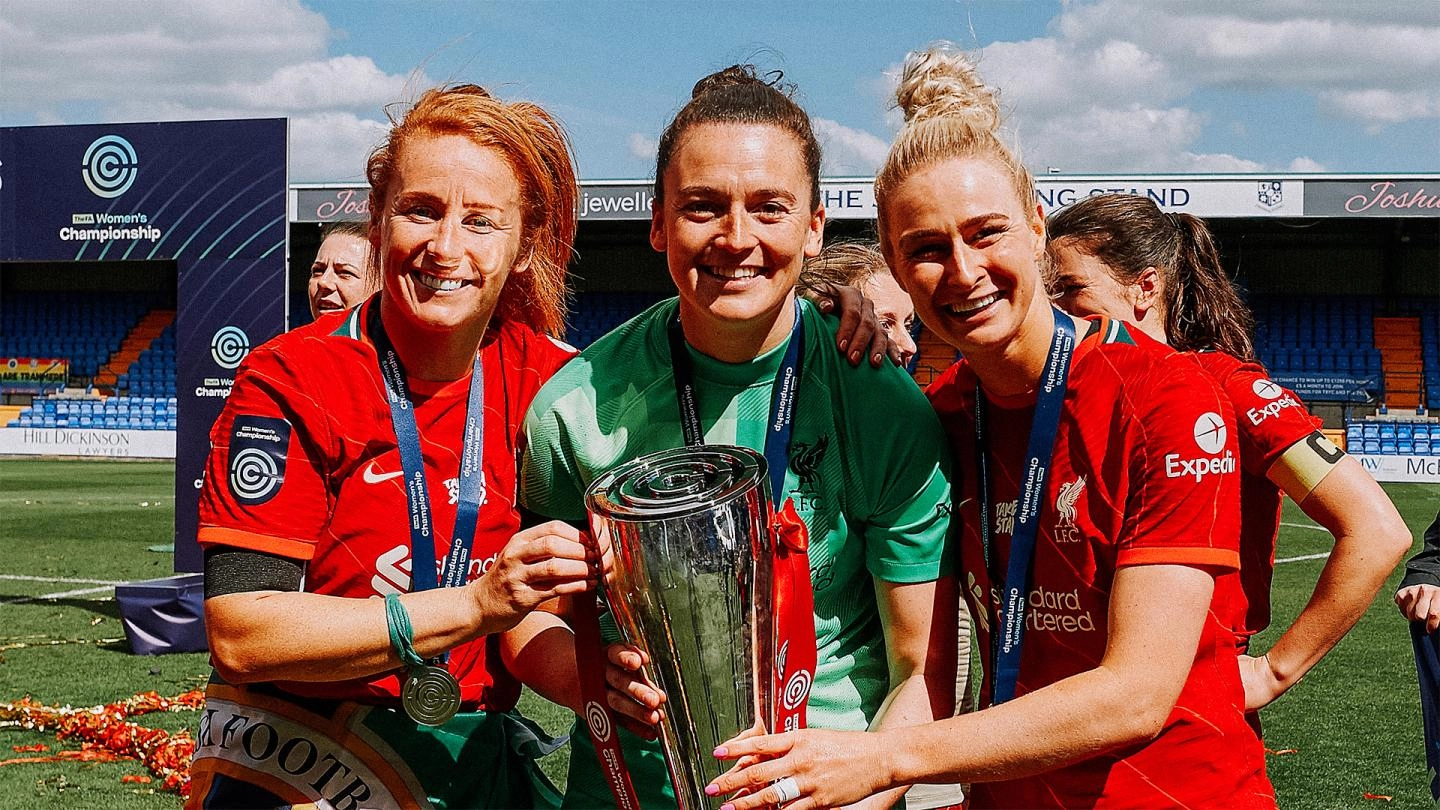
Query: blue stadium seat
[(1388, 447), (1371, 430), (1387, 431), (1405, 447), (1423, 447), (1372, 446)]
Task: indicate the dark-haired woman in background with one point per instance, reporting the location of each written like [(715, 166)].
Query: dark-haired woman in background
[(342, 274), (737, 211), (1119, 255)]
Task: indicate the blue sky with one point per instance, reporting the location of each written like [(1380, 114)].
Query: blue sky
[(1100, 86)]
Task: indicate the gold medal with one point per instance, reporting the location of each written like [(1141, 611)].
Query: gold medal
[(431, 695)]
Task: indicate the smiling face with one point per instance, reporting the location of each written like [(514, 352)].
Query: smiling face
[(448, 235), (969, 252), (735, 226), (337, 276)]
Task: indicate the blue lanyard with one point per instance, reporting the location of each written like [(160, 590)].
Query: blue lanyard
[(1005, 639), (417, 496), (782, 401)]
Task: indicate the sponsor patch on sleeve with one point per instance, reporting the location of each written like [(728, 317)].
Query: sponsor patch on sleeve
[(258, 448)]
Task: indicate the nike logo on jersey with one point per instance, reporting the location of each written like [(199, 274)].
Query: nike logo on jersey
[(371, 476)]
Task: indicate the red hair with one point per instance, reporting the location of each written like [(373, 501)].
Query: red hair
[(537, 150)]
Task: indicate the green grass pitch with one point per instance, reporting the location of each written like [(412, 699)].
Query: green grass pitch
[(1353, 724)]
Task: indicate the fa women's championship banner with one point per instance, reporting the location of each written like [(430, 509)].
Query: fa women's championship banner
[(209, 196)]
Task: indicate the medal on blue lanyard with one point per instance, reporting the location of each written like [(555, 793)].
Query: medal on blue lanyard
[(431, 695), (782, 401), (1006, 639)]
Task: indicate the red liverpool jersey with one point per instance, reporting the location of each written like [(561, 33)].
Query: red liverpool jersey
[(1144, 471), (304, 464), (1270, 419)]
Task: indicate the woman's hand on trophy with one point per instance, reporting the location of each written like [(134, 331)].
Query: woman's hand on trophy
[(805, 769), (636, 700), (538, 564)]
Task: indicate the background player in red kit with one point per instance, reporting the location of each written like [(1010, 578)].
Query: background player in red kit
[(350, 445), (1127, 692), (1120, 255)]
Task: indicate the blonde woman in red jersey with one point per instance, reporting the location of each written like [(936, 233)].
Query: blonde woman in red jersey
[(1109, 680), (1119, 255)]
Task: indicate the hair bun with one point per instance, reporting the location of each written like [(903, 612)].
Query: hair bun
[(741, 76), (942, 81)]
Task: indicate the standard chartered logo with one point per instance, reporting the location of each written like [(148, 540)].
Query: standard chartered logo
[(253, 474), (110, 166), (229, 346)]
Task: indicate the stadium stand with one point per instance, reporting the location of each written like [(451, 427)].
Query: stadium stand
[(105, 338), (111, 413), (592, 314), (122, 346), (80, 327)]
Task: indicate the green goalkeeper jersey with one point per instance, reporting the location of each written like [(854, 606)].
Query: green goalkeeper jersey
[(869, 474)]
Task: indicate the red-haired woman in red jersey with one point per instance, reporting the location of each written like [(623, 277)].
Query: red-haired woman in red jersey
[(364, 559), (1098, 516), (1119, 255)]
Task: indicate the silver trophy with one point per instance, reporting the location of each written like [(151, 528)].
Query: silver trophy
[(691, 585)]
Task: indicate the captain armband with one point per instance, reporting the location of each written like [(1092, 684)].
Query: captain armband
[(1302, 467)]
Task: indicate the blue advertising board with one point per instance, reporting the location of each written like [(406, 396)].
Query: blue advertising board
[(208, 195)]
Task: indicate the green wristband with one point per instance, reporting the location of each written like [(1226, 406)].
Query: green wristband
[(402, 635)]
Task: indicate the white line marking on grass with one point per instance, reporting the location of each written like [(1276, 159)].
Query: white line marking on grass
[(23, 600), (1302, 558), (69, 580), (80, 592), (1311, 526)]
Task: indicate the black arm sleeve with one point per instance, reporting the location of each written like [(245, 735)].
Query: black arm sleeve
[(1424, 567), (238, 570)]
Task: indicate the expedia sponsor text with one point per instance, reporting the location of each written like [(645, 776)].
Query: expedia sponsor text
[(1177, 467)]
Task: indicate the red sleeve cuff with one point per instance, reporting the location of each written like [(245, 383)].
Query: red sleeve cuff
[(239, 538), (1222, 558)]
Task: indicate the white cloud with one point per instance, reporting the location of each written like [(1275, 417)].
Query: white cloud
[(1117, 85), (332, 147), (848, 151), (202, 59), (642, 146), (1317, 47), (1305, 164), (163, 50), (1377, 107), (343, 82), (1133, 139)]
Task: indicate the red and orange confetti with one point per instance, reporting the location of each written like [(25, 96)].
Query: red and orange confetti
[(106, 735)]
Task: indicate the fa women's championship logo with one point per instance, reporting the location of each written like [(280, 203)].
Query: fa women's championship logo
[(229, 346), (110, 166)]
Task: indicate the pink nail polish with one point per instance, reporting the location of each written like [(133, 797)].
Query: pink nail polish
[(720, 752), (711, 790), (727, 806)]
